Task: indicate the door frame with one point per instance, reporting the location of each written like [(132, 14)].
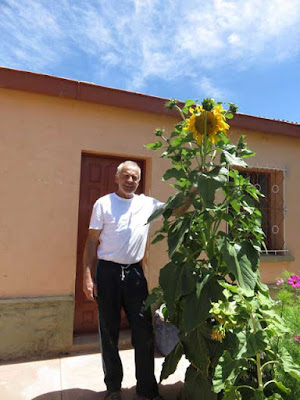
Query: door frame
[(144, 167)]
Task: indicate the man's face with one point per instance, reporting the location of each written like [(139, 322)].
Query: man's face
[(128, 180)]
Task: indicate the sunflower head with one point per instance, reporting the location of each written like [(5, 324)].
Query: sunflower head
[(203, 121)]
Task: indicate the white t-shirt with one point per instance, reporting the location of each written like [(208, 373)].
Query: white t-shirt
[(123, 225)]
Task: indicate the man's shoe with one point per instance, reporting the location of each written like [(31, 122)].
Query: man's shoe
[(158, 397), (113, 396)]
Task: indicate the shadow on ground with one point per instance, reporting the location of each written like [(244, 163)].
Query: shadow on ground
[(82, 394), (169, 392)]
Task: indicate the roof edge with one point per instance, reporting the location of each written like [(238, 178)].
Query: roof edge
[(84, 91)]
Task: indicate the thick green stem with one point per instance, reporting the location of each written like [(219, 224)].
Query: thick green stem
[(196, 158), (203, 143), (258, 360), (259, 374)]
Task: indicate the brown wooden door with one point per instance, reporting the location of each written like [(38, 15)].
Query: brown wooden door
[(97, 179)]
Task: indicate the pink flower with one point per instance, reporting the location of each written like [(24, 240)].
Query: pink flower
[(294, 281), (296, 338), (279, 282)]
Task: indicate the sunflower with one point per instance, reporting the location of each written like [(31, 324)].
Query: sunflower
[(215, 122), (217, 334)]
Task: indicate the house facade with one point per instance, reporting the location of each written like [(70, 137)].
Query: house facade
[(60, 143)]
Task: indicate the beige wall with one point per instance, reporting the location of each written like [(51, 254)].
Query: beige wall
[(41, 141), (281, 152)]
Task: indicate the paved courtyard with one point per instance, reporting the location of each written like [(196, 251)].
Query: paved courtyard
[(77, 377)]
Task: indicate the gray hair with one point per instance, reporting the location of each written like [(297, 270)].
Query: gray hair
[(128, 162)]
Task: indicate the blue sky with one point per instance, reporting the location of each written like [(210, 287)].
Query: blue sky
[(246, 52)]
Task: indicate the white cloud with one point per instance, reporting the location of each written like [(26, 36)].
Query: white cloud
[(27, 31), (210, 90), (149, 38), (223, 30)]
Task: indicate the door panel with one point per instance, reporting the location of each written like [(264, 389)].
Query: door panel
[(97, 179)]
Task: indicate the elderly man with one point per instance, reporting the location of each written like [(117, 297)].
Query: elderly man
[(118, 233)]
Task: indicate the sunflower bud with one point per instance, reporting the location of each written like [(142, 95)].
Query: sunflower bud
[(159, 132), (233, 108), (218, 334), (208, 104), (171, 104)]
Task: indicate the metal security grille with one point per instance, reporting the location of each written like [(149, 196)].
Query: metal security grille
[(270, 182)]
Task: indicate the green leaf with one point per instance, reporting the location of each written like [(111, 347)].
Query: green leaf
[(196, 387), (157, 213), (219, 173), (258, 395), (224, 140), (232, 343), (178, 141), (176, 234), (206, 188), (262, 287), (288, 364), (155, 295), (236, 289), (231, 159), (154, 146), (281, 387), (194, 311), (232, 393), (255, 343), (275, 396), (197, 304), (249, 254), (226, 371), (158, 239), (242, 148), (187, 105), (241, 144), (236, 205), (197, 350), (237, 263), (247, 265), (176, 281), (172, 203), (173, 173), (171, 361)]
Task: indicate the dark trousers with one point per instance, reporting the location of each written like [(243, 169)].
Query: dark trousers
[(125, 288)]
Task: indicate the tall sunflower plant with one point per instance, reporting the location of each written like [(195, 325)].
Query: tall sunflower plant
[(228, 327)]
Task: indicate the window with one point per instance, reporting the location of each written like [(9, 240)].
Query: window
[(270, 182)]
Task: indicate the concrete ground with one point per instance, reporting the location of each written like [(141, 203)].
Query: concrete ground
[(77, 377)]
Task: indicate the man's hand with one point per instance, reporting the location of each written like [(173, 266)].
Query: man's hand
[(89, 259), (88, 289), (187, 201)]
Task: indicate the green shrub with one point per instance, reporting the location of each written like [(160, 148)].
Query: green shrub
[(288, 305), (227, 322)]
